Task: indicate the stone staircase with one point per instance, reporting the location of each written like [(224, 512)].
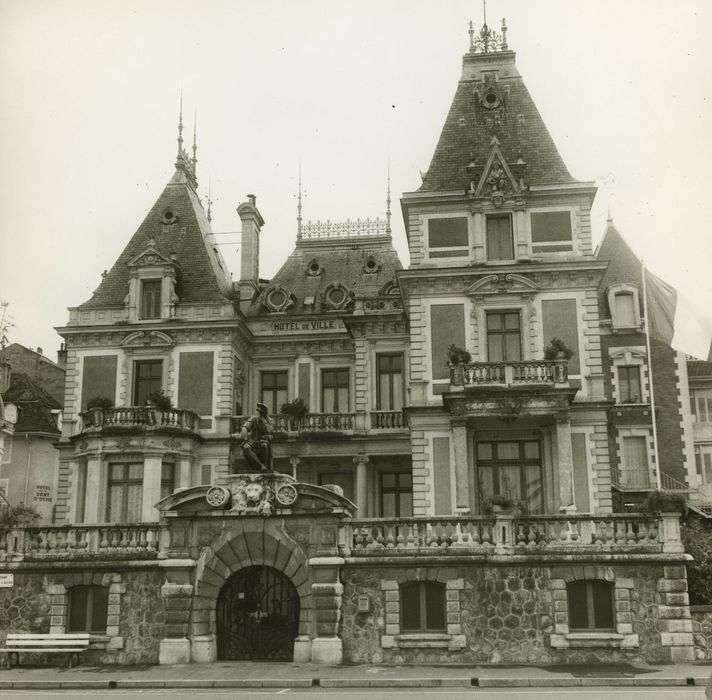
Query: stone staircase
[(696, 500)]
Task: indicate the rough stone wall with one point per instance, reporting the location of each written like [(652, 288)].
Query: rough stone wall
[(26, 607), (702, 631), (507, 615)]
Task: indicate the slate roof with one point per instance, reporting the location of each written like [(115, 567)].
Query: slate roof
[(202, 274), (521, 131), (699, 369), (34, 405), (623, 266), (343, 261)]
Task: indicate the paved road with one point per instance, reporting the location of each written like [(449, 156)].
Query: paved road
[(678, 693)]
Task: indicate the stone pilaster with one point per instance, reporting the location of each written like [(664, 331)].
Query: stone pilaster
[(462, 483), (674, 612), (361, 462), (565, 462), (327, 590), (175, 647)]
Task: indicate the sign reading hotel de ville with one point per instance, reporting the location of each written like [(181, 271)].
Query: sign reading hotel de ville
[(294, 326)]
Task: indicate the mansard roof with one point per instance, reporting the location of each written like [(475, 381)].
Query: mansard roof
[(178, 228), (508, 114), (34, 405), (363, 268)]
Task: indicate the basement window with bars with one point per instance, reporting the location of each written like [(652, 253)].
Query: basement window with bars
[(590, 605)]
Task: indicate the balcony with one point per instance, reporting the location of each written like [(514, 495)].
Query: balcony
[(76, 542), (509, 374), (333, 423), (633, 479), (508, 534), (138, 418)]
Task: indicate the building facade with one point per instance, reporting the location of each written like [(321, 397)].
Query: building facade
[(444, 463)]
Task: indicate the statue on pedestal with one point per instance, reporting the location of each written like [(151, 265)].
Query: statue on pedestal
[(256, 436)]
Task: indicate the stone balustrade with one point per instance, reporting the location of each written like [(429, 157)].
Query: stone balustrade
[(547, 372), (389, 420), (504, 533), (381, 421), (130, 541), (139, 418)]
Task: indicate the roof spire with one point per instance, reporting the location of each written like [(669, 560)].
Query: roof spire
[(388, 200), (180, 125), (194, 159), (299, 204), (210, 201)]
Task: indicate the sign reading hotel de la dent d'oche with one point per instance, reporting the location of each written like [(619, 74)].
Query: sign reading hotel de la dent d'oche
[(314, 325)]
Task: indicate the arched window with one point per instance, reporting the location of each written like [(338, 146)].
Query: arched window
[(422, 606), (87, 609), (590, 606)]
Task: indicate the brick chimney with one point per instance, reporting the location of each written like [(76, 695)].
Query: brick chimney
[(252, 223)]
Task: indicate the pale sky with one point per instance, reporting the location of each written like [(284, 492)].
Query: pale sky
[(89, 107)]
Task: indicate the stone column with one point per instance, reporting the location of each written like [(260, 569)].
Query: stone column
[(95, 501), (174, 648), (294, 461), (462, 481), (327, 589), (361, 462), (151, 486), (566, 463), (185, 468)]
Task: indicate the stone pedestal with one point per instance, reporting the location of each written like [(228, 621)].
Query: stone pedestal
[(328, 651), (204, 649), (302, 649), (174, 651)]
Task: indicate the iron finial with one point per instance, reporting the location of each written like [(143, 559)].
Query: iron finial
[(180, 125), (299, 205), (504, 34), (471, 32), (388, 199), (210, 201), (195, 142)]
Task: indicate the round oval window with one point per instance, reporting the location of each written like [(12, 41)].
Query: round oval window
[(277, 298), (337, 296)]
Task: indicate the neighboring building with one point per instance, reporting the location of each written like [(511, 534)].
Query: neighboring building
[(699, 374), (432, 398), (29, 466), (49, 375)]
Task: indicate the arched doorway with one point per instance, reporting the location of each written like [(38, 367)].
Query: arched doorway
[(257, 615)]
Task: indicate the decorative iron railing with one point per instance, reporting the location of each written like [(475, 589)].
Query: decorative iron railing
[(633, 479), (509, 373), (134, 541), (139, 417), (508, 534), (343, 229)]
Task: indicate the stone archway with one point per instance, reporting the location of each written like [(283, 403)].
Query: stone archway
[(253, 543)]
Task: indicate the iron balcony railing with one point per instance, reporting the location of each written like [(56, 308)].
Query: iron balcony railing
[(539, 372)]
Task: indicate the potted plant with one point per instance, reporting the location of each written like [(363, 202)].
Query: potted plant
[(657, 502), (557, 349), (457, 355), (498, 503), (295, 410), (20, 515), (159, 399), (102, 402)]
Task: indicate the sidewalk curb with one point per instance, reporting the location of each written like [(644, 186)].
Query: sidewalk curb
[(461, 682)]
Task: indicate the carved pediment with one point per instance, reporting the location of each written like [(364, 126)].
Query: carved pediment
[(497, 181), (140, 339), (150, 257), (503, 284)]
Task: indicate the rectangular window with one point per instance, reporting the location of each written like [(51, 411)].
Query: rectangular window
[(701, 406), (125, 493), (396, 495), (624, 315), (504, 343), (88, 607), (635, 472), (590, 606), (168, 478), (390, 382), (629, 384), (500, 243), (151, 299), (551, 232), (98, 378), (273, 390), (422, 606), (511, 469), (335, 390), (148, 377), (560, 320), (703, 462), (448, 237), (195, 382), (447, 327)]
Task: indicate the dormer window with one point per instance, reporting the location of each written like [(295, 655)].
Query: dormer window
[(500, 242), (624, 306), (150, 299)]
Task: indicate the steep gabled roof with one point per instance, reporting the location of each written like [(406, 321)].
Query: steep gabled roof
[(202, 273), (509, 114), (34, 405)]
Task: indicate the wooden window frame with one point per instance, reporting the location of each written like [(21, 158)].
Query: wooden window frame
[(397, 489), (336, 371), (588, 585), (423, 588), (504, 332), (138, 380), (125, 481), (624, 391), (150, 301), (499, 217), (390, 373), (274, 389), (88, 611)]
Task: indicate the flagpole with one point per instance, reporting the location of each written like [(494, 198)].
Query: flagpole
[(650, 377)]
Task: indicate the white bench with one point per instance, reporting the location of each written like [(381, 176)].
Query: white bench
[(70, 644)]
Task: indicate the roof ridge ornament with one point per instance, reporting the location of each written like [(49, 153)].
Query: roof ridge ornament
[(487, 40), (184, 162)]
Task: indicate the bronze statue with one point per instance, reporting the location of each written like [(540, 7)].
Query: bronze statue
[(256, 436)]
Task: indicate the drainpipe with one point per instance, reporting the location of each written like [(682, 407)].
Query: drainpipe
[(27, 471)]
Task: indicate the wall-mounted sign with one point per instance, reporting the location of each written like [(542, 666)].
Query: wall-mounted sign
[(7, 580), (43, 494), (364, 604), (330, 324)]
